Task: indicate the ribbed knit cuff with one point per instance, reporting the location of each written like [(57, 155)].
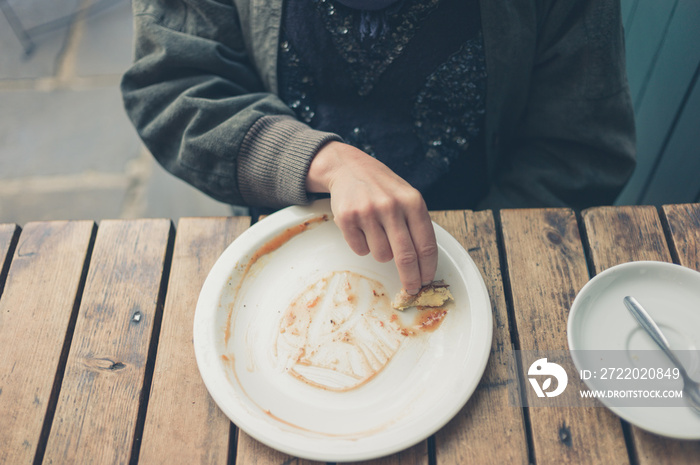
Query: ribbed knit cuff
[(274, 160)]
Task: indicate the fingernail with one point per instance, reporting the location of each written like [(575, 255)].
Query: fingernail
[(426, 284), (412, 291)]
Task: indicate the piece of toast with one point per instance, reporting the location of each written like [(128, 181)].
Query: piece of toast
[(434, 294)]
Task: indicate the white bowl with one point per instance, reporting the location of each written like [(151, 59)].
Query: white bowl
[(599, 321)]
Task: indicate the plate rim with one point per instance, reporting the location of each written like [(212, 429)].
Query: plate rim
[(204, 353)]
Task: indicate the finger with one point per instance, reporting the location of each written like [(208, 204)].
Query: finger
[(348, 223), (356, 240), (405, 256), (423, 234), (377, 241)]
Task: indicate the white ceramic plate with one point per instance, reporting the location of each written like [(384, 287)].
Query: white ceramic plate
[(599, 321), (244, 355)]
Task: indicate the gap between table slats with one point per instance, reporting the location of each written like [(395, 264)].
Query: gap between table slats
[(96, 417), (624, 234), (183, 424), (9, 233), (491, 427), (37, 313), (152, 350), (546, 267), (513, 329)]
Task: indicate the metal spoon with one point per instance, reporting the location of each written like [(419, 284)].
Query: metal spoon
[(691, 388)]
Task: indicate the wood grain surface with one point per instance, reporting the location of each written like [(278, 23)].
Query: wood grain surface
[(37, 310), (97, 362), (546, 267), (684, 227), (416, 455), (98, 407), (251, 451), (625, 234), (183, 424)]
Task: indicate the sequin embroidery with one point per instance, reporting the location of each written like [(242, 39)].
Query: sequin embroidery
[(420, 132), (449, 109), (367, 43)]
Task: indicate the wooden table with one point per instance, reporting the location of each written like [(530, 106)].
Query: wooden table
[(97, 364)]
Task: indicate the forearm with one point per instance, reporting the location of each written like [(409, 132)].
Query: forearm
[(199, 107), (274, 161)]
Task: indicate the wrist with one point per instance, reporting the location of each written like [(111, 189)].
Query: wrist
[(320, 173)]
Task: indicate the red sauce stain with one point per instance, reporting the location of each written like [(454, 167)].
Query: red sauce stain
[(429, 320), (426, 319), (276, 418), (356, 338), (269, 247), (326, 434), (282, 238), (230, 363)]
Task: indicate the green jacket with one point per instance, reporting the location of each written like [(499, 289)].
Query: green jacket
[(559, 121)]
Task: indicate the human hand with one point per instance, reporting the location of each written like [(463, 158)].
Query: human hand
[(377, 211)]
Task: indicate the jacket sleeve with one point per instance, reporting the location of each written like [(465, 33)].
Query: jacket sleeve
[(200, 108), (574, 142)]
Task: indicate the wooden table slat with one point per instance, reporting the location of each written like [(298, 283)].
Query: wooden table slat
[(490, 413), (99, 403), (546, 269), (249, 450), (183, 424), (625, 234), (415, 455), (684, 225), (36, 312)]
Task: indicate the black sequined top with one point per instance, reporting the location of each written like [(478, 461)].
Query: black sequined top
[(406, 84)]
